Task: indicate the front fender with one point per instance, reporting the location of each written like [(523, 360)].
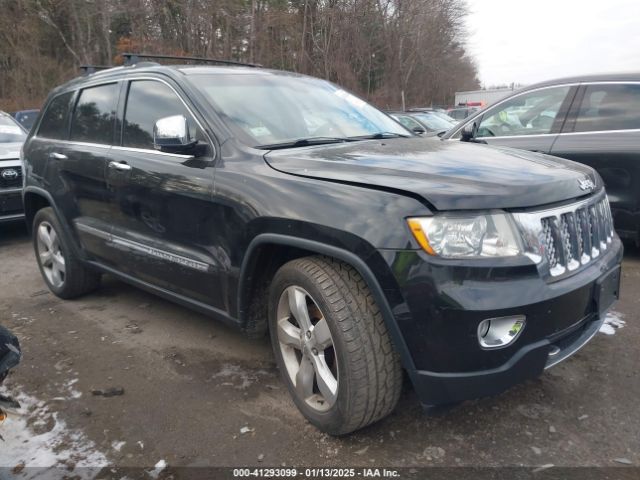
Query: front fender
[(365, 269)]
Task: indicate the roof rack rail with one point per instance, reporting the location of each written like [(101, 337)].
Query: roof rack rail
[(134, 58), (89, 69)]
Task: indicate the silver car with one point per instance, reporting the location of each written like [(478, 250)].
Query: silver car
[(12, 136)]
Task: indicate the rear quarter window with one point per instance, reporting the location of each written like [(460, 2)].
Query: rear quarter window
[(55, 119)]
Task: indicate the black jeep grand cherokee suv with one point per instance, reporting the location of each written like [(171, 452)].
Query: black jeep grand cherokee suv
[(280, 203)]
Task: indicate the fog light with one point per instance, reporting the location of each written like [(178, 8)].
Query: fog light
[(500, 332)]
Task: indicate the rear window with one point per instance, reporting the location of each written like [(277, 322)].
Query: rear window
[(55, 119), (609, 107), (94, 115)]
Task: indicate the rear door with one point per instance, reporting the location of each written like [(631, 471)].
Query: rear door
[(603, 131), (81, 194), (529, 120), (160, 203)]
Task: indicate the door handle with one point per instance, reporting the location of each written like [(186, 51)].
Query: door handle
[(120, 166), (58, 156)]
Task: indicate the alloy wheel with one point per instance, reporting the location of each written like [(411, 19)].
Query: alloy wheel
[(50, 255), (307, 348)]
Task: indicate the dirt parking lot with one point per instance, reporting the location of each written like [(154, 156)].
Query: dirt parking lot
[(196, 393)]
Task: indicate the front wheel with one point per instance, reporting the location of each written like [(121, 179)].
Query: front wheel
[(332, 346)]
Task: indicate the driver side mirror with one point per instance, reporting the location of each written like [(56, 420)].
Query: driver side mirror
[(418, 130), (171, 134), (468, 132)]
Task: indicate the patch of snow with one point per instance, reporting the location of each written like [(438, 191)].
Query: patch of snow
[(69, 390), (118, 445), (69, 386), (245, 378), (161, 465), (58, 448), (612, 322)]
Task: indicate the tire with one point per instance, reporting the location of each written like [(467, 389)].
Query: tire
[(61, 269), (346, 340)]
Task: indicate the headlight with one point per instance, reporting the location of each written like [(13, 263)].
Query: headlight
[(457, 236)]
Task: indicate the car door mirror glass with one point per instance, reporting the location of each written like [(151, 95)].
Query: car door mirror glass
[(172, 134)]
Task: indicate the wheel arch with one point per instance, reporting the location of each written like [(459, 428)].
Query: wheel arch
[(265, 245), (35, 199)]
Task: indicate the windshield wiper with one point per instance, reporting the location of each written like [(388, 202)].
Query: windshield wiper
[(380, 135), (304, 142)]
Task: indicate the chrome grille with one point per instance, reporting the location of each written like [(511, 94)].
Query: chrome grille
[(10, 181), (576, 235), (549, 241)]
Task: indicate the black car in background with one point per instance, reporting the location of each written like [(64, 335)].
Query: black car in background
[(283, 204), (593, 120), (408, 122), (460, 113), (434, 121), (26, 118), (428, 121), (440, 112)]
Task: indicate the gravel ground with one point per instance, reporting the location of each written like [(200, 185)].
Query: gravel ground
[(188, 391)]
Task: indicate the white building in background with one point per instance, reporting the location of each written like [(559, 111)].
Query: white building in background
[(482, 98)]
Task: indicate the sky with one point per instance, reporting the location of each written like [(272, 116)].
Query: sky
[(527, 41)]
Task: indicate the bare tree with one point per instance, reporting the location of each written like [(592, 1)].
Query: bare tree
[(376, 48)]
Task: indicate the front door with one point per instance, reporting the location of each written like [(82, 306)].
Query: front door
[(529, 121), (160, 203)]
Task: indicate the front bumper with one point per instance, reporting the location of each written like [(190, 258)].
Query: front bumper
[(529, 362), (11, 207), (443, 306)]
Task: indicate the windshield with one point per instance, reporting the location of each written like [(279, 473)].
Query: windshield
[(10, 132), (408, 122), (433, 121), (446, 117), (273, 109)]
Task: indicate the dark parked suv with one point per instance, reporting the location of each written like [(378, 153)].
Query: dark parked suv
[(593, 120), (282, 204)]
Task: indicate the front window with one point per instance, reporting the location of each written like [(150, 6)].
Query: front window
[(529, 114), (267, 110), (10, 131), (149, 101)]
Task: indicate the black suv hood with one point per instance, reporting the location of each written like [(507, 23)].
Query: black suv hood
[(449, 175)]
